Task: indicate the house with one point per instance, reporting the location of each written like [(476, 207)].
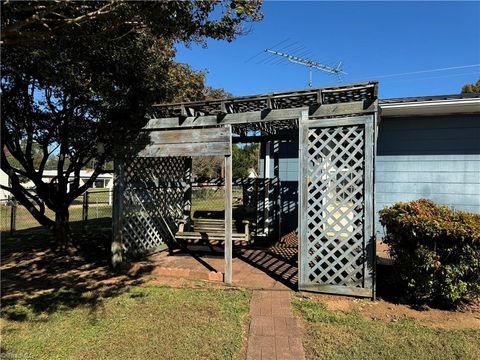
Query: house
[(102, 181), (4, 181), (427, 147)]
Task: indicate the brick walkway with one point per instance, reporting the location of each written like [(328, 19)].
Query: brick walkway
[(274, 333)]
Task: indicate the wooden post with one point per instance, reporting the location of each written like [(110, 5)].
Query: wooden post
[(85, 209), (266, 186), (369, 210), (228, 217), (117, 213), (13, 217), (277, 192), (187, 195), (302, 197)]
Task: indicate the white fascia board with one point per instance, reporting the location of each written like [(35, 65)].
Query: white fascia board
[(430, 108)]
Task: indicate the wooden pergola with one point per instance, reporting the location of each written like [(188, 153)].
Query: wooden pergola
[(335, 129)]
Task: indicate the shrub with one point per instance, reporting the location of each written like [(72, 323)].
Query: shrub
[(436, 250)]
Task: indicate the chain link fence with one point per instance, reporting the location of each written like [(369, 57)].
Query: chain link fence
[(93, 207), (208, 200)]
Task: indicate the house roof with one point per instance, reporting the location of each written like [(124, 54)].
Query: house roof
[(431, 105), (83, 174), (430, 98)]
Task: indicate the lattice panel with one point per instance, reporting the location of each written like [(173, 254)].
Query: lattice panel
[(154, 197), (335, 206), (265, 128)]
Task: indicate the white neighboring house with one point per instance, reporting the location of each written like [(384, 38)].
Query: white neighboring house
[(5, 181), (103, 180), (252, 173)]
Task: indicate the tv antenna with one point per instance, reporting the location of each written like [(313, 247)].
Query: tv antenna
[(311, 64)]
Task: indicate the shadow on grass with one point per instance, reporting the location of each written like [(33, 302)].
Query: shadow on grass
[(37, 280)]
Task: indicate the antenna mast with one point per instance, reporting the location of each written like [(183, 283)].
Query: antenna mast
[(311, 64)]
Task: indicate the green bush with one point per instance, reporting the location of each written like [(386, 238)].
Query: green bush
[(436, 250)]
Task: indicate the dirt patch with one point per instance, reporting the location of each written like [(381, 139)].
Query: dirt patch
[(468, 318)]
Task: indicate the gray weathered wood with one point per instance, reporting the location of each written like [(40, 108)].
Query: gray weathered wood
[(340, 121), (356, 107), (277, 193), (228, 218), (186, 136), (149, 204), (289, 136), (336, 214), (266, 199), (302, 200), (187, 195), (275, 95), (117, 213), (193, 149), (213, 141), (336, 172), (338, 290), (369, 206)]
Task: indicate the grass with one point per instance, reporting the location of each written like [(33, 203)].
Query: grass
[(99, 195), (25, 220), (143, 323), (58, 306), (330, 335), (208, 205)]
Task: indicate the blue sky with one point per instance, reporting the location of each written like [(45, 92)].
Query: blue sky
[(373, 39)]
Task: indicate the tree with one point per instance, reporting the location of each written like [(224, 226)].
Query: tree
[(71, 71), (244, 159), (471, 88), (207, 167), (36, 22), (37, 157)]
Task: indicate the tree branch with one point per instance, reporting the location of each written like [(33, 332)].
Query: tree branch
[(22, 195)]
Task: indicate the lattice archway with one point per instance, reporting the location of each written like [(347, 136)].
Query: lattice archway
[(336, 128), (153, 189)]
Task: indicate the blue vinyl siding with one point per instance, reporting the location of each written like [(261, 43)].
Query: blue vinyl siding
[(432, 157), (423, 157)]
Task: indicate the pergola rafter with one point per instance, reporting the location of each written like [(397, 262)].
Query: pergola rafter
[(281, 100), (267, 114)]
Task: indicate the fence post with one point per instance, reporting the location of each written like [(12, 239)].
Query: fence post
[(13, 217), (85, 209)]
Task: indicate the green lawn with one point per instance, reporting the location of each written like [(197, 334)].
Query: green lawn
[(143, 323), (332, 335), (208, 205), (25, 220), (99, 195)]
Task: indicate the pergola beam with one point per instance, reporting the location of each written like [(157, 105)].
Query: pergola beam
[(282, 100), (330, 110), (291, 136)]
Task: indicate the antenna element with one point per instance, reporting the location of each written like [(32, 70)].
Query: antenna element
[(311, 64)]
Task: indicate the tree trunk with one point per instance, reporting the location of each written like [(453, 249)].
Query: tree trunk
[(63, 236)]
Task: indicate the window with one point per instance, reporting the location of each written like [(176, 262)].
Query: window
[(100, 183)]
